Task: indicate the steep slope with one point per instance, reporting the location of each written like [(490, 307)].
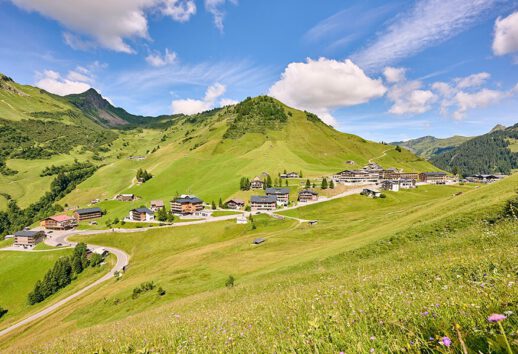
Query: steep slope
[(96, 107), (429, 146), (207, 154), (494, 152)]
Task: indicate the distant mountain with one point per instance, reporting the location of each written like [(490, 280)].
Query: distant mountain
[(429, 146), (99, 109), (495, 152), (498, 127)]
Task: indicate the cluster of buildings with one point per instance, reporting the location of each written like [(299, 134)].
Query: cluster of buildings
[(279, 197), (375, 174)]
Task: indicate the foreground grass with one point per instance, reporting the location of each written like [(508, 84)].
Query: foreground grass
[(370, 268)]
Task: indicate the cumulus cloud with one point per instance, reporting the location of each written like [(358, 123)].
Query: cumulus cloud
[(408, 97), (474, 80), (193, 106), (482, 98), (215, 8), (394, 75), (506, 35), (428, 23), (76, 81), (323, 85), (157, 60), (109, 23)]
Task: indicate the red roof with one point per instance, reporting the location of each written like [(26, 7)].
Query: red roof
[(61, 218)]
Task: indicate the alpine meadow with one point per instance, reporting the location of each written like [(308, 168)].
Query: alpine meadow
[(212, 176)]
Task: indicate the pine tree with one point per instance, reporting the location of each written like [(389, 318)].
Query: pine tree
[(308, 183), (324, 183), (220, 203), (213, 206), (300, 174), (268, 182), (286, 183), (332, 184)]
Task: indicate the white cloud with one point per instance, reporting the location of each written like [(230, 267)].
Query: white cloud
[(428, 23), (323, 85), (506, 35), (75, 42), (156, 59), (215, 8), (53, 82), (394, 75), (193, 106), (109, 23), (482, 98), (408, 97), (227, 102), (474, 80), (179, 10)]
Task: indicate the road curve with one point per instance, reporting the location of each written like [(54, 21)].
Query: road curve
[(122, 262)]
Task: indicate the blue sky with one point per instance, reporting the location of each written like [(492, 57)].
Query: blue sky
[(383, 70)]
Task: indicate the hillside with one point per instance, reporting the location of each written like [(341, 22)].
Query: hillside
[(208, 154), (494, 152), (429, 146), (349, 283)]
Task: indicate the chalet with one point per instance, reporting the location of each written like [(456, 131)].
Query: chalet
[(28, 239), (157, 205), (257, 183), (125, 197), (308, 195), (484, 178), (186, 205), (268, 202), (242, 220), (433, 177), (290, 175), (373, 167), (371, 193), (282, 195), (59, 222), (396, 175), (407, 183), (89, 213), (141, 214), (235, 204), (202, 213), (356, 177)]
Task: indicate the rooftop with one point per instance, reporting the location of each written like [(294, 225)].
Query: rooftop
[(26, 233), (88, 211), (60, 218), (277, 191), (188, 199), (143, 210), (263, 199)]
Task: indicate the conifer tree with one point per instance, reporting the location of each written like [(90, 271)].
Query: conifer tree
[(324, 183), (308, 183)]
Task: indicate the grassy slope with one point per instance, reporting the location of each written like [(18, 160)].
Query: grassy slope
[(213, 170), (20, 271), (198, 259)]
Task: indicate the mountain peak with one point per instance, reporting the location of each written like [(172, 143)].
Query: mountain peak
[(497, 128)]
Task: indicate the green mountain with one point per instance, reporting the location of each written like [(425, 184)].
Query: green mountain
[(429, 146), (495, 152)]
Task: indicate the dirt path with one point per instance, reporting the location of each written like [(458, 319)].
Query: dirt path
[(379, 157)]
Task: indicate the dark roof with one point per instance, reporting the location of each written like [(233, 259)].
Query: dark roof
[(88, 211), (259, 240), (263, 199), (193, 200), (308, 191), (25, 233), (143, 210), (277, 191), (237, 201), (434, 174)]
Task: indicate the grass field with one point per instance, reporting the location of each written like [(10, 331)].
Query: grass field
[(360, 247), (19, 272)]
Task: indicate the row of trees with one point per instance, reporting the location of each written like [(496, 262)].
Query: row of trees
[(64, 271), (143, 175), (324, 184)]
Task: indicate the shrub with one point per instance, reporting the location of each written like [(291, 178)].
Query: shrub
[(161, 291), (230, 281), (2, 311)]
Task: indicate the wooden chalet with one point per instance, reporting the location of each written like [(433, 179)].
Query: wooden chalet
[(157, 205), (141, 214), (235, 204), (356, 177), (260, 202), (282, 195), (396, 175), (257, 183), (28, 239), (89, 213), (307, 195), (371, 193), (433, 177), (125, 197), (59, 222), (186, 205)]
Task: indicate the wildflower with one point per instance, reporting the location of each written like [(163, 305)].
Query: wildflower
[(425, 313), (445, 341), (432, 339), (496, 317), (372, 338), (372, 350), (508, 313)]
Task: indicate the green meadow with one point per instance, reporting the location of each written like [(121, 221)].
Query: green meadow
[(407, 270)]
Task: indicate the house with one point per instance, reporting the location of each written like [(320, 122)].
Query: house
[(59, 222), (257, 183), (260, 202), (373, 167), (242, 220), (308, 195), (28, 239), (356, 177), (258, 241), (202, 213), (141, 214), (396, 175), (157, 205), (89, 213), (485, 178), (125, 197), (389, 185), (186, 204), (407, 183), (235, 204), (433, 177), (282, 194), (290, 175), (101, 251), (371, 193)]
